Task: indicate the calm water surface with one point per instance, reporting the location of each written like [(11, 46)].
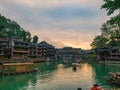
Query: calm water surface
[(56, 76)]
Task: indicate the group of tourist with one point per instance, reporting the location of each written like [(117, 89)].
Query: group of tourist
[(94, 87)]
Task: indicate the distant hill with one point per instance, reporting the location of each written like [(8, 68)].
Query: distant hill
[(9, 28)]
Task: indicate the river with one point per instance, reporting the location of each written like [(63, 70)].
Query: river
[(56, 76)]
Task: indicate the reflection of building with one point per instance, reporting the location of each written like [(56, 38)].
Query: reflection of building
[(68, 53), (25, 81), (108, 54)]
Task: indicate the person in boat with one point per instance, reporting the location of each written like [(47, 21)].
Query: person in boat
[(31, 60), (65, 62), (74, 68), (74, 65), (95, 87), (79, 89), (118, 77)]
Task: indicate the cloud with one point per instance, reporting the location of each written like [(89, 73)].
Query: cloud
[(66, 38), (56, 3), (60, 22)]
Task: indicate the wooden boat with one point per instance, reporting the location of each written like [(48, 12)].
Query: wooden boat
[(17, 68), (79, 61), (114, 78), (65, 62), (74, 65)]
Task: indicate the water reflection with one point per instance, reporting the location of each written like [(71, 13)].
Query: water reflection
[(56, 76), (17, 82), (63, 77), (102, 70)]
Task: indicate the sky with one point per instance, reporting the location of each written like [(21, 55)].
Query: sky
[(62, 23)]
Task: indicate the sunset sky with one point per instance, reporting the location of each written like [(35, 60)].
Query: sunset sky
[(61, 23)]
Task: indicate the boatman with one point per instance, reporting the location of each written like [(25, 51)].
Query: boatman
[(79, 89), (95, 87)]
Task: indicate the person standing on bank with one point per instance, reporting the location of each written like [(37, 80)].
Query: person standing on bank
[(95, 87)]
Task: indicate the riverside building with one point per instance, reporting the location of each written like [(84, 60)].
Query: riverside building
[(108, 54), (17, 48), (68, 53)]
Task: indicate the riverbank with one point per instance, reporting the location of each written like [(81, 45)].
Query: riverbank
[(8, 60), (111, 62)]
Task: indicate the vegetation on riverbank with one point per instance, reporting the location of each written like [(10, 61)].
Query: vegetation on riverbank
[(90, 57), (110, 31), (9, 29)]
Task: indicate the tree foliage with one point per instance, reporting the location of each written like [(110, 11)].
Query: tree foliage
[(10, 28), (110, 35), (111, 6), (35, 39), (110, 31), (99, 41)]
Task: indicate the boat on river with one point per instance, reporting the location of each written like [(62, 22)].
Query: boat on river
[(79, 61), (17, 68), (74, 65), (113, 78), (65, 62)]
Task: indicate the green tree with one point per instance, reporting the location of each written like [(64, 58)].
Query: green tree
[(28, 36), (105, 30), (110, 31), (114, 27), (35, 39), (99, 41), (10, 29), (111, 6)]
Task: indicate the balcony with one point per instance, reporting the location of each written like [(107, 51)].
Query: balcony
[(21, 51), (116, 54)]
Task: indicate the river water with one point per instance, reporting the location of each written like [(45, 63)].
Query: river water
[(56, 76)]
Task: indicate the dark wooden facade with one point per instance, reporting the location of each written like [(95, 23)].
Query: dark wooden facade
[(20, 48), (17, 48), (108, 54), (13, 48), (47, 50), (5, 47), (69, 53)]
